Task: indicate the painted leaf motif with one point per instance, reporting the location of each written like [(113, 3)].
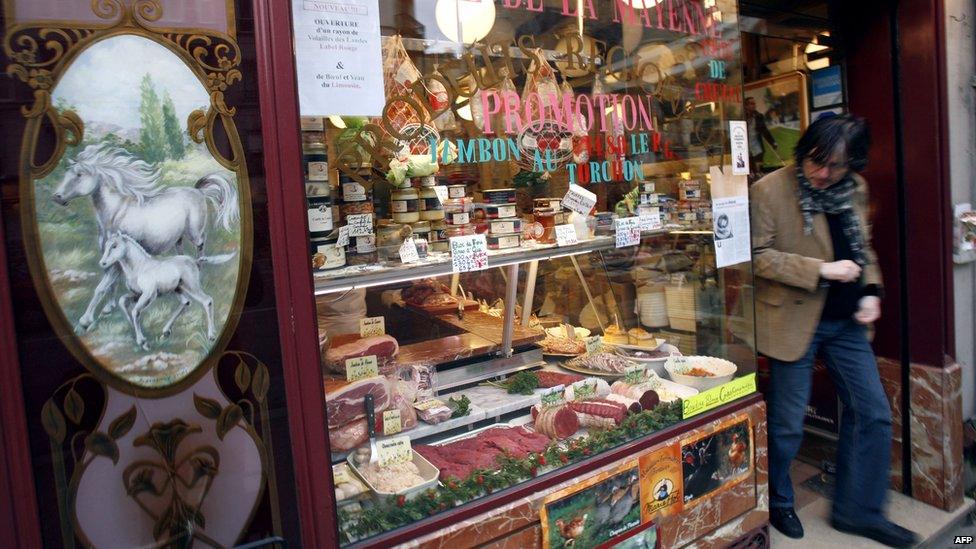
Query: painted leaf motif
[(262, 383), (101, 445), (242, 376), (74, 406), (53, 421), (208, 407), (122, 424), (229, 418)]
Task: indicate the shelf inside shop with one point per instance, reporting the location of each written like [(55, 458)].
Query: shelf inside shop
[(439, 263)]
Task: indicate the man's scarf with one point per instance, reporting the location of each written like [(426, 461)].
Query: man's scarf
[(835, 200)]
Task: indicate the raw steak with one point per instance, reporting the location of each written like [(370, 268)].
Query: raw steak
[(344, 400)]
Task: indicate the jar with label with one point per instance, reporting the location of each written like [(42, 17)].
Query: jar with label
[(546, 218), (389, 236), (438, 231), (428, 181), (456, 191), (319, 216), (326, 255), (459, 230), (458, 211), (316, 162), (431, 208), (421, 230), (405, 205), (317, 188), (353, 191)]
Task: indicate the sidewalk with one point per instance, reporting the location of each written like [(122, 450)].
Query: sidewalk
[(936, 527)]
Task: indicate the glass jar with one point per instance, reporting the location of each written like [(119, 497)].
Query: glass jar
[(431, 208), (319, 216), (326, 255), (456, 191), (389, 237), (421, 229), (458, 211), (405, 205), (316, 162), (546, 218)]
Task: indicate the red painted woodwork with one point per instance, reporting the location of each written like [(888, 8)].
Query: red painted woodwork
[(293, 280), (928, 247), (18, 502)]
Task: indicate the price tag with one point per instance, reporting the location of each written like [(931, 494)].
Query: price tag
[(441, 192), (469, 253), (634, 374), (650, 221), (566, 235), (579, 200), (394, 450), (408, 251), (360, 224), (584, 389), (343, 237), (593, 344), (554, 396), (341, 475), (391, 422), (372, 326), (627, 232), (361, 368)]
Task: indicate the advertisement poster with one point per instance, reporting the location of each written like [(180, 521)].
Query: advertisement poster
[(594, 512), (730, 222), (660, 479), (716, 461), (827, 86), (338, 53), (739, 138)]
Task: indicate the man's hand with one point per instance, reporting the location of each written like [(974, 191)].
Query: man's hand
[(869, 309), (841, 271)]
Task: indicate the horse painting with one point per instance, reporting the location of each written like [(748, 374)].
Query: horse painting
[(128, 197), (147, 278)]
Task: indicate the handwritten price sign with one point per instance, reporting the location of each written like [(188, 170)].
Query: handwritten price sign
[(360, 224), (628, 232), (579, 200), (469, 253), (566, 235)]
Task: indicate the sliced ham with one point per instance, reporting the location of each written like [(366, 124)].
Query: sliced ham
[(383, 347)]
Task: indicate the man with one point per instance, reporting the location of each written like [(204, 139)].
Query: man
[(757, 130), (818, 287)]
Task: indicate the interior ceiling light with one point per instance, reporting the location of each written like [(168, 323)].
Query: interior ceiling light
[(465, 20)]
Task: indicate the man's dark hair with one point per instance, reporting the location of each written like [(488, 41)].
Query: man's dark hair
[(825, 134)]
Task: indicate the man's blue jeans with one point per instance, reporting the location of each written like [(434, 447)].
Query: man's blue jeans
[(864, 451)]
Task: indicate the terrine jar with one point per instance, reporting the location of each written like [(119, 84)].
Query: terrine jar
[(504, 241), (456, 191), (500, 211), (431, 208), (389, 236), (326, 255), (458, 211), (546, 218), (499, 196), (405, 205), (319, 216)]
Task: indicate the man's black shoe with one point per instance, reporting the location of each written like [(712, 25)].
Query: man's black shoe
[(887, 533), (786, 521)]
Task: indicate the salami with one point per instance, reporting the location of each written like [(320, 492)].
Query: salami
[(641, 392), (632, 405)]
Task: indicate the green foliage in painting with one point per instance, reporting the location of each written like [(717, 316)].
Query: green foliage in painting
[(152, 140)]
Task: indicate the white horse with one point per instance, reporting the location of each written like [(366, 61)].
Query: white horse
[(128, 198), (148, 278)]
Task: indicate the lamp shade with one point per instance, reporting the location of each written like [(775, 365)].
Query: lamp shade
[(473, 18)]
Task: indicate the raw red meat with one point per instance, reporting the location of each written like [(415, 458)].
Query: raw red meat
[(632, 405), (349, 436), (640, 392), (344, 400), (599, 413), (506, 444), (530, 440), (557, 422), (549, 379), (384, 347)]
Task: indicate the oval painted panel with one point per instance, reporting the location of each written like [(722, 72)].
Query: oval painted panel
[(140, 229)]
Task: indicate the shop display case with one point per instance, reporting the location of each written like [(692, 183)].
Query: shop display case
[(517, 272)]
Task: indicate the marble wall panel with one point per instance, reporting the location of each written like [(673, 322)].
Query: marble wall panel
[(936, 435)]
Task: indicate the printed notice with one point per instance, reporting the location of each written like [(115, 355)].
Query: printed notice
[(565, 235), (579, 200), (372, 326), (739, 136), (730, 222), (361, 368), (394, 450), (469, 253), (628, 231), (337, 50), (360, 224)]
